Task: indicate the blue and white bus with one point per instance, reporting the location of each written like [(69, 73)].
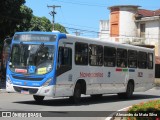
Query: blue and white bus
[(61, 65)]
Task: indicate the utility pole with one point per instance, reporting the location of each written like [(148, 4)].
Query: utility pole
[(77, 33), (52, 13)]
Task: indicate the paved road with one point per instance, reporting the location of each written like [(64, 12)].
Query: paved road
[(19, 102)]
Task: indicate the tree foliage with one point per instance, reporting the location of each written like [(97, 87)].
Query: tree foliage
[(15, 16), (40, 24), (44, 24), (60, 28), (10, 16), (26, 15)]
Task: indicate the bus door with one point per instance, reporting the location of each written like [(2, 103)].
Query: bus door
[(64, 81)]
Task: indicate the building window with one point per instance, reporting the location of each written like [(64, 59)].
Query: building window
[(132, 59), (109, 56), (121, 58), (81, 53), (95, 55), (142, 30)]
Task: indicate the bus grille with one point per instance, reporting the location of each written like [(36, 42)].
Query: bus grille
[(31, 90), (27, 78)]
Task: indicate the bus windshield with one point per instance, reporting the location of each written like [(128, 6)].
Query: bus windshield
[(31, 58)]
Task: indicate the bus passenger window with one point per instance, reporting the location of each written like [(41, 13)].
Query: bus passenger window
[(81, 53), (132, 59), (121, 58), (95, 55), (109, 56), (142, 60), (150, 60)]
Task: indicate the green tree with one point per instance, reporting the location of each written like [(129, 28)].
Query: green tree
[(44, 24), (60, 28), (26, 15), (10, 16), (40, 24), (15, 16)]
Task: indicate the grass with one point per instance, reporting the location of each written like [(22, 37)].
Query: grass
[(146, 108)]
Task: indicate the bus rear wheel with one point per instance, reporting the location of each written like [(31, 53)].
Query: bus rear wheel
[(77, 94), (129, 91), (38, 99)]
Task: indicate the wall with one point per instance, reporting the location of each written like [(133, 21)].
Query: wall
[(127, 22), (114, 22), (104, 30), (151, 34)]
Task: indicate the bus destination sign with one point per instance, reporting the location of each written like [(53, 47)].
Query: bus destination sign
[(34, 37)]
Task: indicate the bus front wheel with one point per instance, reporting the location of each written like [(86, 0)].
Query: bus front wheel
[(77, 94), (38, 99)]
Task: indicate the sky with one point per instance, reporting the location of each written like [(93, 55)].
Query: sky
[(83, 15)]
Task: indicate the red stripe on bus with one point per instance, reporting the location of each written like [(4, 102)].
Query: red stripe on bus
[(118, 69)]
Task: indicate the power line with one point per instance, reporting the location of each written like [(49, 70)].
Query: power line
[(95, 32), (80, 3), (77, 33), (78, 25), (81, 30)]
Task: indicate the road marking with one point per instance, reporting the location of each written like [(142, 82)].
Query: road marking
[(111, 115)]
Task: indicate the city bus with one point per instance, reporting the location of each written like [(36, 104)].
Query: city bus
[(55, 64)]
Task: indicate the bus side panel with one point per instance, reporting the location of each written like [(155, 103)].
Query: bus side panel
[(110, 78), (145, 80), (93, 77)]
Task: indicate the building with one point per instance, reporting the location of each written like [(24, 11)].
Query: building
[(104, 32), (132, 25), (148, 27)]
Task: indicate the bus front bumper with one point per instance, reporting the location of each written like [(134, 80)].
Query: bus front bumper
[(42, 91)]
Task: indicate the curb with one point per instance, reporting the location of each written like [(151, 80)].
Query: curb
[(3, 91), (112, 116)]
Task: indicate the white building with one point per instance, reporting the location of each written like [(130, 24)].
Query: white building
[(104, 33), (148, 27), (129, 24)]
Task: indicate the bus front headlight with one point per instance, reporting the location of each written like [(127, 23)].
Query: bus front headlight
[(47, 82)]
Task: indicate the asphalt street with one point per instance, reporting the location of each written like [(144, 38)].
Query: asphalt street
[(108, 103)]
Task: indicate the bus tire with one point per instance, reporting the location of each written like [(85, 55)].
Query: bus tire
[(129, 91), (77, 94), (38, 99)]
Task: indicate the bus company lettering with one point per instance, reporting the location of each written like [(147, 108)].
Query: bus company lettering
[(98, 74)]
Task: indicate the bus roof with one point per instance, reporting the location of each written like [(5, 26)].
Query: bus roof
[(109, 42), (85, 39)]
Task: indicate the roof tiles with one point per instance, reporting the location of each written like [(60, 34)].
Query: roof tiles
[(148, 13)]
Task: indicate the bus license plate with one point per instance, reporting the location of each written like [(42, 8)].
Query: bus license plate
[(24, 92)]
